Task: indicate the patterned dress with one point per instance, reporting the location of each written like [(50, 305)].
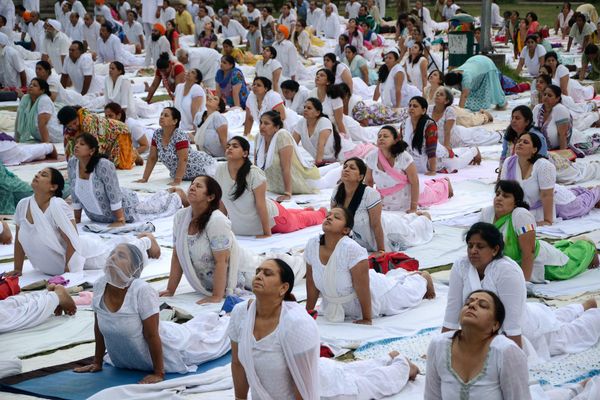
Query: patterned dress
[(227, 80), (482, 78), (199, 163), (12, 190)]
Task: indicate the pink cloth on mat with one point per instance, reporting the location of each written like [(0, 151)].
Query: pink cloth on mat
[(84, 298), (436, 192), (291, 220)]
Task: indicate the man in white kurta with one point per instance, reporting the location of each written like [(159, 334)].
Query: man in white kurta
[(79, 69), (12, 68), (157, 45), (55, 46), (91, 32), (329, 25), (167, 13), (314, 14), (32, 5), (150, 13), (286, 55), (108, 46), (123, 6), (352, 8), (231, 28), (35, 29), (205, 59), (74, 29), (7, 9), (133, 30)]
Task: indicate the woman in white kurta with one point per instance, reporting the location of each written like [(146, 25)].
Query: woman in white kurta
[(374, 228), (537, 177), (261, 100), (539, 259), (190, 99), (554, 119), (212, 133), (392, 86), (416, 67), (206, 250), (392, 169), (496, 368), (568, 86), (269, 67), (340, 70), (274, 341), (532, 56), (333, 108), (547, 331), (337, 268), (36, 115), (117, 89), (250, 211), (128, 329)]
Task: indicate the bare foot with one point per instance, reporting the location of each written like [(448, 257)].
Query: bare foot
[(53, 155), (393, 354), (154, 250), (6, 235), (489, 117), (450, 190), (589, 303), (65, 301), (413, 372), (430, 292)]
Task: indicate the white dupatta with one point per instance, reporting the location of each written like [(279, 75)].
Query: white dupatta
[(183, 254), (47, 236), (298, 336), (200, 137), (113, 93), (264, 157), (334, 311)]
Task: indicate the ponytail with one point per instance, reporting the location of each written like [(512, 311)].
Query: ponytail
[(240, 178)]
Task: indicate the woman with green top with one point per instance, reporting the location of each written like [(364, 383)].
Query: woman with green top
[(36, 115), (539, 260)]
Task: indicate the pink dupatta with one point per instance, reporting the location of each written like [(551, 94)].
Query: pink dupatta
[(394, 173)]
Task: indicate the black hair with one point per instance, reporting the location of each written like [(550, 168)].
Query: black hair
[(275, 118), (212, 189), (418, 57), (272, 50), (546, 78), (199, 76), (533, 37), (290, 85), (510, 135), (333, 59), (537, 143), (349, 222), (490, 234), (117, 109), (229, 59), (3, 19), (43, 85), (79, 44), (227, 42), (286, 275), (254, 23), (107, 25), (57, 179), (135, 15), (453, 79), (419, 130), (340, 195), (337, 140), (352, 48), (92, 143), (568, 4), (67, 114), (533, 16), (514, 188), (345, 37), (175, 114), (384, 71), (590, 49), (120, 67), (355, 33), (551, 54), (557, 92), (240, 178), (46, 65), (163, 61), (330, 77), (400, 145), (499, 309), (268, 9), (265, 81)]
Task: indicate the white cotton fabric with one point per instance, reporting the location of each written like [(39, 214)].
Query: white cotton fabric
[(55, 48), (329, 105), (207, 136), (533, 63), (271, 100), (78, 70), (388, 89), (91, 34), (390, 294), (400, 200), (413, 73), (242, 211), (297, 103), (26, 310), (183, 103), (42, 241), (264, 157), (504, 375), (576, 90), (109, 50), (288, 57), (559, 114), (287, 357), (184, 346), (133, 31), (120, 92), (46, 106), (84, 189), (267, 69), (310, 141), (11, 65)]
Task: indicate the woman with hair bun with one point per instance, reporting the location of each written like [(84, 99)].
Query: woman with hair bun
[(170, 73)]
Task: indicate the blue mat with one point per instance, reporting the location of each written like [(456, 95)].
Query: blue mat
[(69, 385)]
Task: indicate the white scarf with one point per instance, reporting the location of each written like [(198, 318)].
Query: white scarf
[(265, 160), (299, 338), (183, 253), (334, 311), (48, 237), (200, 137), (388, 93)]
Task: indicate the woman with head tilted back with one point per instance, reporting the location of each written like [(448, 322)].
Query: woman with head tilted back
[(374, 228), (274, 341), (244, 195), (549, 331), (539, 259), (392, 85), (392, 169), (128, 330), (212, 133), (476, 360), (337, 268), (537, 176)]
